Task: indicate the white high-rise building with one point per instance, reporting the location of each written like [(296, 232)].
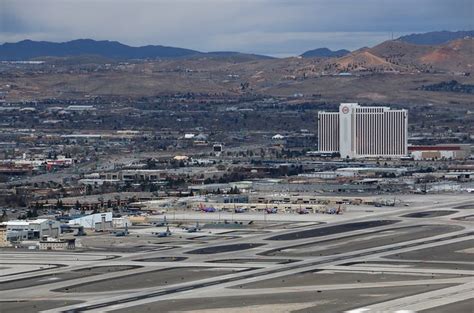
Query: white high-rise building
[(358, 132)]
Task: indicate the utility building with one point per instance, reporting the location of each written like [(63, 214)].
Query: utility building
[(358, 132)]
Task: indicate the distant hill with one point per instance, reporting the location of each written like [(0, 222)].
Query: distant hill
[(363, 61), (325, 53), (456, 56), (28, 49), (436, 38), (396, 56)]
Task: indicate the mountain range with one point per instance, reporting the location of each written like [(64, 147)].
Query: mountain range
[(392, 71), (325, 53), (436, 38), (430, 38), (28, 49)]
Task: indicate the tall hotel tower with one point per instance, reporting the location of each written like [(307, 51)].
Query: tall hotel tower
[(358, 132)]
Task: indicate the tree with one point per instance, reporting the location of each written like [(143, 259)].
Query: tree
[(234, 190), (38, 206), (59, 204), (4, 217), (88, 189), (32, 213)]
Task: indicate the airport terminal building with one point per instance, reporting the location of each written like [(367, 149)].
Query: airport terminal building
[(358, 132)]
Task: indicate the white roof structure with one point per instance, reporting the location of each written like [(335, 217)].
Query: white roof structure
[(25, 222), (89, 221)]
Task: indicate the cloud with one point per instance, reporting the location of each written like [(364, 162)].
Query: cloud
[(260, 26)]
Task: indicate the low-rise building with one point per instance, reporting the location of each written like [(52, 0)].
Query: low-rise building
[(459, 176), (3, 236), (369, 171), (121, 222), (48, 243)]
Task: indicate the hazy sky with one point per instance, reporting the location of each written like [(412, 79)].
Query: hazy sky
[(274, 27)]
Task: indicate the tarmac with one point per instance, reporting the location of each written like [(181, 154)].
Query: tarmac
[(382, 261)]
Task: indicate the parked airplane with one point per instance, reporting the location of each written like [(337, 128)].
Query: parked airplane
[(162, 223), (271, 210), (334, 210), (202, 208), (122, 233), (303, 211), (166, 233), (194, 229)]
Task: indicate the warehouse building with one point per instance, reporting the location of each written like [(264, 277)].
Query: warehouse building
[(18, 230), (98, 222), (440, 152)]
